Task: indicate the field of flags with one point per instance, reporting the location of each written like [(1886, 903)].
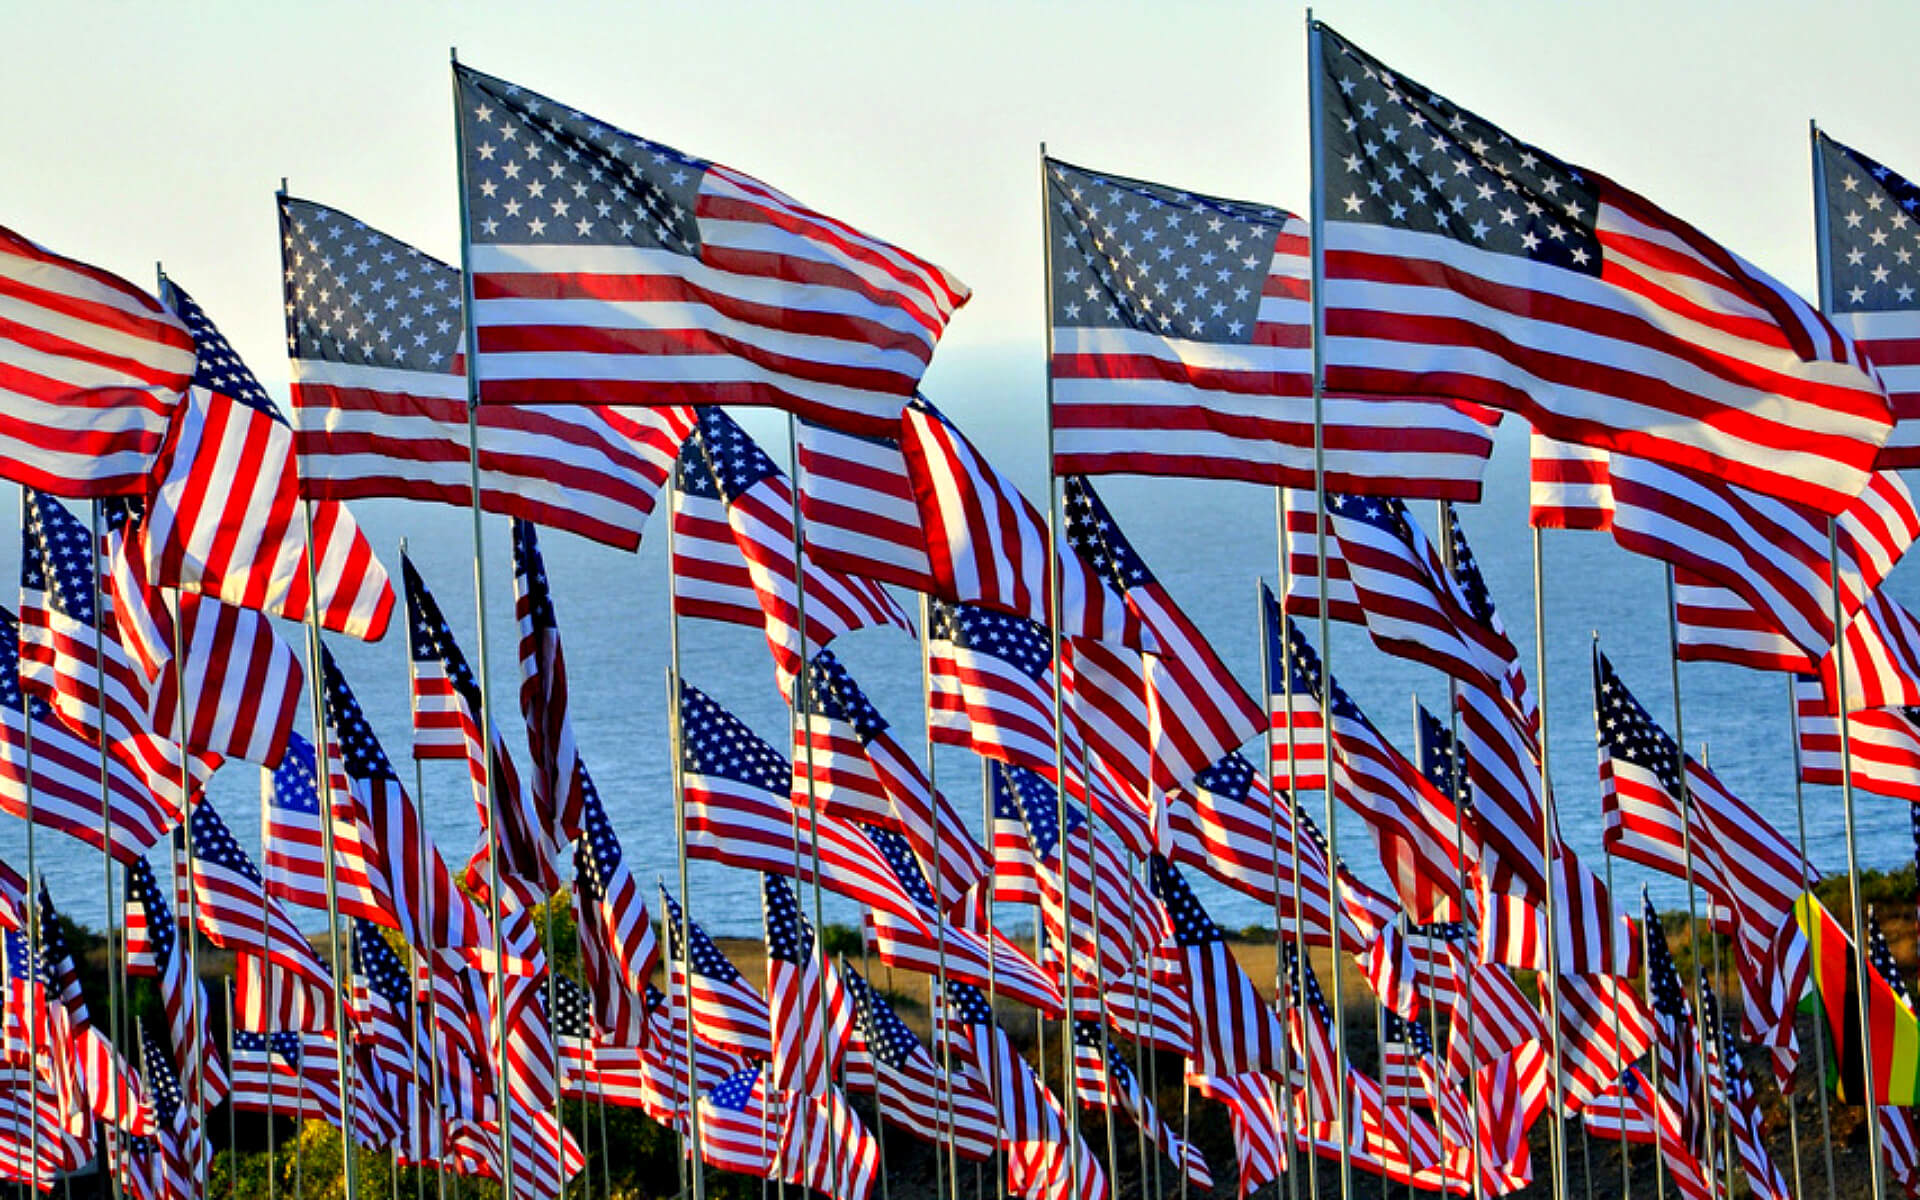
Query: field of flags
[(189, 554)]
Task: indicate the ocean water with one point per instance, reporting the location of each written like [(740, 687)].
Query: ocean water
[(1208, 542)]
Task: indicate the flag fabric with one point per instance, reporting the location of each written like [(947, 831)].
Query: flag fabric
[(1525, 283), (380, 396), (739, 1122), (1259, 1140), (617, 947), (1182, 345), (556, 775), (1233, 1029), (182, 1151), (989, 545), (734, 510), (858, 507), (705, 988), (1678, 1045), (91, 370), (223, 516), (825, 1148), (811, 1015), (1198, 711), (732, 292), (1884, 743), (1740, 1103), (1103, 1080), (62, 789), (1837, 990), (446, 720), (1864, 213), (911, 1089), (992, 685), (155, 951), (845, 755)]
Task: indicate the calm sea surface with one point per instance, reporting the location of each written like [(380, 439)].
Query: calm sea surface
[(1209, 542)]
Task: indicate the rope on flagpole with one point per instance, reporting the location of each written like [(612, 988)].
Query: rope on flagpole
[(502, 1087), (1318, 257), (1819, 1042)]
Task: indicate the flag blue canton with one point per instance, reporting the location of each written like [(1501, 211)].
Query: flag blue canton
[(900, 859), (1093, 533), (531, 571), (1442, 760), (570, 1017), (833, 694), (889, 1040), (705, 959), (217, 366), (1037, 803), (1627, 732), (284, 1046), (1873, 240), (598, 855), (1397, 1029), (214, 843), (1881, 956), (357, 296), (1231, 777), (144, 890), (1304, 987), (56, 558), (1191, 924), (293, 783), (1141, 256), (1399, 155), (1663, 980), (789, 937), (11, 693), (361, 756), (733, 459), (968, 1004), (1024, 644), (715, 742), (375, 961), (430, 639), (537, 171), (1466, 571), (735, 1092), (156, 1069)]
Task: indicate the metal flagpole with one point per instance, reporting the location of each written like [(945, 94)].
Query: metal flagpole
[(1285, 998), (425, 956), (1548, 825), (1282, 1092), (1626, 1177), (495, 899), (109, 1130), (1646, 983), (939, 889), (1339, 1039), (1054, 615), (1456, 759), (1860, 964), (993, 883), (1806, 885), (801, 712), (690, 1140), (1825, 266), (1686, 855)]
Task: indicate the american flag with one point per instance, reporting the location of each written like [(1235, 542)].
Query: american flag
[(1233, 1029), (1899, 1137), (1045, 1156), (739, 1122), (421, 898), (380, 395), (1635, 1110), (859, 770), (1678, 1057), (1513, 1092), (1455, 252), (825, 1148), (232, 908), (108, 1086), (1739, 1103), (1865, 219), (755, 298), (1198, 710), (266, 1072), (1300, 755), (1885, 744), (223, 515), (1089, 901), (811, 1016), (1259, 1139), (1755, 584), (725, 1009), (557, 775), (153, 949), (177, 1165), (617, 947), (910, 1088), (295, 844), (68, 651), (1182, 345), (1102, 1079), (94, 370), (858, 507), (733, 548), (992, 685), (385, 1033), (446, 724), (62, 789), (1604, 1027), (1749, 867), (617, 1075), (989, 545), (739, 812)]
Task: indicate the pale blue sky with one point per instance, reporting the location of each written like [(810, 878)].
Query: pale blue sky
[(136, 132)]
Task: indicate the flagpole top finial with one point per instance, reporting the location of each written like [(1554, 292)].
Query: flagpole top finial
[(283, 186), (453, 55)]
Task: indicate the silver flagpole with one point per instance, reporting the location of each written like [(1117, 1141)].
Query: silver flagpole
[(1455, 767), (1285, 995), (109, 1131), (233, 1139), (993, 882), (1314, 103), (33, 897), (266, 791), (1548, 826), (495, 900), (1819, 1041), (939, 889), (1839, 616), (800, 712), (1106, 1069), (1646, 981), (1626, 1176), (1686, 855), (690, 1140), (1282, 1092), (1860, 964), (1054, 614), (424, 956)]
